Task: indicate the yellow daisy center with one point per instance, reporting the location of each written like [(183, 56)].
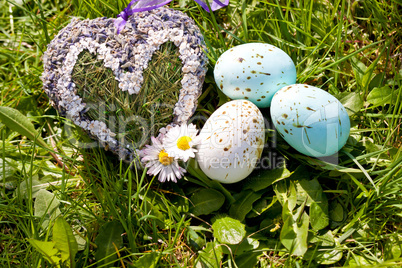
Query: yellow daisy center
[(164, 158), (183, 143)]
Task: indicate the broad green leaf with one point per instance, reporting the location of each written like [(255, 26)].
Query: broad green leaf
[(292, 196), (328, 251), (193, 169), (247, 245), (286, 194), (109, 240), (228, 230), (194, 239), (206, 201), (368, 74), (294, 231), (9, 168), (258, 208), (37, 185), (380, 96), (281, 191), (352, 101), (265, 178), (311, 191), (218, 186), (45, 203), (148, 260), (50, 169), (302, 233), (359, 69), (358, 261), (329, 257), (81, 240), (247, 260), (65, 241), (262, 205), (211, 256), (326, 239), (18, 122), (325, 256), (181, 203), (377, 81), (300, 173), (319, 218), (243, 205), (288, 235), (48, 251), (337, 213), (393, 247)]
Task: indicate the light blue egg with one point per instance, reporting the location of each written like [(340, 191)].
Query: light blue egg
[(255, 72), (310, 119)]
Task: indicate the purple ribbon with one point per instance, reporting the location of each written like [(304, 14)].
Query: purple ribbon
[(215, 5), (145, 5)]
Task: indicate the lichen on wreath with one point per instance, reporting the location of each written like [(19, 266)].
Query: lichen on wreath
[(126, 55)]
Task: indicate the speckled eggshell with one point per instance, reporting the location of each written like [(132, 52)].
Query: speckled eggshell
[(310, 119), (232, 141), (255, 72)]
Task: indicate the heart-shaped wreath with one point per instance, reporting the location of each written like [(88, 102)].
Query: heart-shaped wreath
[(126, 56)]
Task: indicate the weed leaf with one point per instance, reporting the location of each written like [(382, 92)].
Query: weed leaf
[(149, 260), (319, 214), (228, 230), (108, 240), (211, 256), (243, 205), (351, 101), (266, 178), (46, 206), (18, 122), (206, 201), (65, 240), (295, 230), (380, 96), (246, 246), (48, 251), (317, 200), (393, 247), (247, 260), (9, 168)]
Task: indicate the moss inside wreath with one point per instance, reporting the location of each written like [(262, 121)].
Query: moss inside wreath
[(134, 118)]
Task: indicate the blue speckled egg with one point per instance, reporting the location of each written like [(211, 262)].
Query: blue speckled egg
[(255, 72), (310, 119)]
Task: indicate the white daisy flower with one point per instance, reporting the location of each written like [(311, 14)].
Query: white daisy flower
[(180, 140), (159, 162)]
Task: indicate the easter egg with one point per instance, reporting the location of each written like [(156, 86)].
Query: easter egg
[(232, 141), (310, 119), (255, 72)]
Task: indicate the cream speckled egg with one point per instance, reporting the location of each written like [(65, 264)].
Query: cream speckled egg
[(232, 141)]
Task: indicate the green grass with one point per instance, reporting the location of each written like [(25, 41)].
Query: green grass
[(105, 99), (350, 49)]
